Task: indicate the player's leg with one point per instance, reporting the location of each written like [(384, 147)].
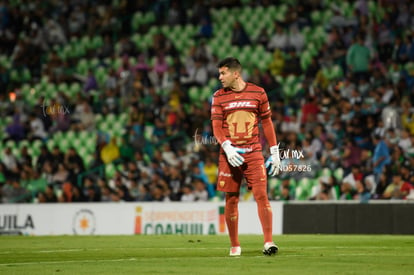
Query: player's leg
[(264, 210), (229, 181), (266, 218), (256, 177), (231, 213)]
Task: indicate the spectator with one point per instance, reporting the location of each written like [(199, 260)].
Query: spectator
[(330, 155), (144, 193), (110, 152), (205, 29), (25, 158), (10, 163), (351, 156), (362, 192), (358, 58), (292, 63), (200, 192), (398, 189), (90, 82), (381, 156), (188, 193), (279, 40), (296, 39), (50, 195), (239, 36), (326, 190), (73, 161), (61, 174), (197, 75), (13, 192), (36, 128), (15, 130)]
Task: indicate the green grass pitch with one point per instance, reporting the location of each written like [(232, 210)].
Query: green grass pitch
[(193, 254)]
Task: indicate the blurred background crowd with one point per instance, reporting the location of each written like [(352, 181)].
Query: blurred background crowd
[(109, 100)]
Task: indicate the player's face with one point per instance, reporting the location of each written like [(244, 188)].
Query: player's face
[(227, 77)]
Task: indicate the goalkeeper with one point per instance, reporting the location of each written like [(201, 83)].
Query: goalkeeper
[(236, 111)]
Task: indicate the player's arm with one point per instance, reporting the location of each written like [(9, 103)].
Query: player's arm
[(269, 132)]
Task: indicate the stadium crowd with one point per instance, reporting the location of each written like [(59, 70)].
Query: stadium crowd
[(354, 133)]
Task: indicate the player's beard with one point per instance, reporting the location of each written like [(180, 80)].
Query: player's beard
[(228, 84)]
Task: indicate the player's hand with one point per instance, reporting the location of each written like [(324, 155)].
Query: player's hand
[(233, 153), (273, 161)]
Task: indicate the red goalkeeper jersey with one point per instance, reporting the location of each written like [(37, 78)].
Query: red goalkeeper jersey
[(240, 113)]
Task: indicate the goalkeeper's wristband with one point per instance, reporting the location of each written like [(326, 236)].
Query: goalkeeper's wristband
[(226, 144), (274, 150)]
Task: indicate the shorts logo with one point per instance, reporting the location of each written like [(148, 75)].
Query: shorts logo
[(240, 104), (222, 174)]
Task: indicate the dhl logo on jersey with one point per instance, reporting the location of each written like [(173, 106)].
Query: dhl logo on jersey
[(240, 104)]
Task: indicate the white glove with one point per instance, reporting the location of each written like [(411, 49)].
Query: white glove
[(273, 161), (233, 153)]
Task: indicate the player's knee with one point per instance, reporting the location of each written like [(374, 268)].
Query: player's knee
[(260, 195), (232, 198)]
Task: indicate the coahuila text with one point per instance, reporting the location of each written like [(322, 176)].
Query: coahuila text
[(11, 222), (178, 228)]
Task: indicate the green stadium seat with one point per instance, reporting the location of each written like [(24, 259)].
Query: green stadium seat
[(62, 87), (14, 75), (101, 75), (82, 67), (97, 41), (316, 16), (339, 174), (10, 144), (74, 89), (194, 94), (24, 143), (326, 172), (110, 170), (93, 63), (304, 188), (26, 76), (123, 117), (64, 145), (137, 19)]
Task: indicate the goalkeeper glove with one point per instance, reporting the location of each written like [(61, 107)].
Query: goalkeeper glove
[(273, 161), (233, 153)]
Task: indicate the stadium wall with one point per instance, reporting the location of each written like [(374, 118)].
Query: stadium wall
[(349, 218)]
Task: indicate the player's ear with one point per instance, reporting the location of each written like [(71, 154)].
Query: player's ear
[(236, 73)]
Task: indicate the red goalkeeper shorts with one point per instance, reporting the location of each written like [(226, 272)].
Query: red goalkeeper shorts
[(253, 170)]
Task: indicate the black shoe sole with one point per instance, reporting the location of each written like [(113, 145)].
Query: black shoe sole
[(271, 251)]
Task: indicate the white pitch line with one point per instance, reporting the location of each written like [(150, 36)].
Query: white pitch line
[(71, 261), (109, 260), (58, 250)]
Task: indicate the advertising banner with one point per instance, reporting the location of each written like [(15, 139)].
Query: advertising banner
[(129, 218)]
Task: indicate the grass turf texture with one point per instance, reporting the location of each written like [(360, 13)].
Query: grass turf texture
[(190, 254)]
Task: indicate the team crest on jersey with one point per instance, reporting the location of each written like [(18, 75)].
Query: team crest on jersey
[(240, 104)]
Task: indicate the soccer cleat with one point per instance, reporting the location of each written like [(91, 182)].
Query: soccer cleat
[(270, 249), (235, 251)]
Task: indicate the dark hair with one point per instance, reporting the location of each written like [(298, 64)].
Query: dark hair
[(231, 63)]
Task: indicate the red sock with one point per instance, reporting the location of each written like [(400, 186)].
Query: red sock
[(232, 218), (265, 211)]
